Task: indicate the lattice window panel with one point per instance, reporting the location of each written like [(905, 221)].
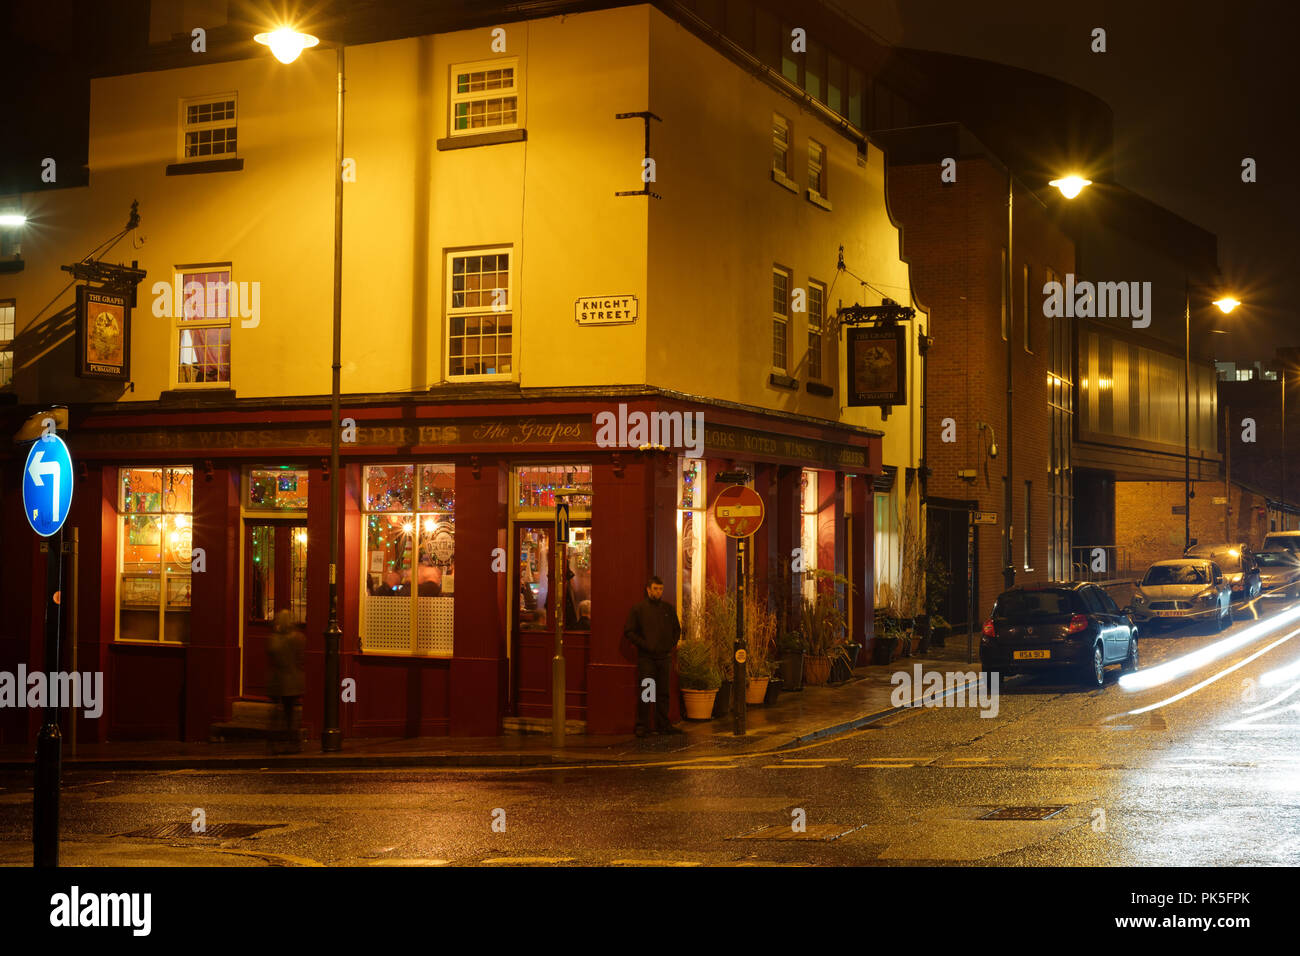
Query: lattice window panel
[(386, 624), (434, 634)]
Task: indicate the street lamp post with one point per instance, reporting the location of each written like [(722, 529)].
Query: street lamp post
[(286, 44)]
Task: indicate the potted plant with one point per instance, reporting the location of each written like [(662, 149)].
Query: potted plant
[(699, 677), (938, 580), (888, 638), (824, 627), (790, 645), (939, 629), (714, 616), (760, 633)]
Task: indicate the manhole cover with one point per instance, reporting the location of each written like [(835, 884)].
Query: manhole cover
[(1022, 813), (225, 831)]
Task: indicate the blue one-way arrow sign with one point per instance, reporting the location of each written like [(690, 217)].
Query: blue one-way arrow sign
[(47, 485)]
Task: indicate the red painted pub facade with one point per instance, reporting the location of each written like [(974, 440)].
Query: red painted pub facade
[(198, 521)]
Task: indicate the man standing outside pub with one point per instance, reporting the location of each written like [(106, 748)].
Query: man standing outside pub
[(653, 627)]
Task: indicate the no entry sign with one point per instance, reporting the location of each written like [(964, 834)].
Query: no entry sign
[(738, 511)]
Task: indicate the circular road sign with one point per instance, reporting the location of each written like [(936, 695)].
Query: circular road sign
[(47, 485), (738, 511)]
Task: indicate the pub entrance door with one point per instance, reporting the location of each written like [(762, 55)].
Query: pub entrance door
[(275, 577)]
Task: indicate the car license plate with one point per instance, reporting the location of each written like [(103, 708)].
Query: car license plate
[(1172, 613), (1031, 655)]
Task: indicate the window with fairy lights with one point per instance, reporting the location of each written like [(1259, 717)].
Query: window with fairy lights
[(691, 524), (409, 559), (154, 554)]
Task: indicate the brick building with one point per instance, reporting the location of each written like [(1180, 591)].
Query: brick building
[(955, 238)]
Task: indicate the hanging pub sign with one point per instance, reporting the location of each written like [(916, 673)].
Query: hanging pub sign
[(877, 365), (103, 335)]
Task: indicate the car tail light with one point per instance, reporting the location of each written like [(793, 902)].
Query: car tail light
[(1078, 622), (988, 628)]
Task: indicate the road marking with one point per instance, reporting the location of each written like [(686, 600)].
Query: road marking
[(525, 860), (794, 766), (704, 766), (881, 766), (414, 861), (655, 863)]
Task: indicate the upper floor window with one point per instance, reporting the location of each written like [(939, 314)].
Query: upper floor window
[(480, 322), (780, 317), (484, 96), (7, 308), (203, 327), (816, 318), (208, 127), (780, 144), (816, 168)]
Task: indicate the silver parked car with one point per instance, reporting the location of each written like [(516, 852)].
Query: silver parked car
[(1183, 589), (1279, 573)]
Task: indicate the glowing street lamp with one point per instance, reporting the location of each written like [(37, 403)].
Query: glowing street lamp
[(12, 219), (286, 43), (1226, 304), (1070, 186)]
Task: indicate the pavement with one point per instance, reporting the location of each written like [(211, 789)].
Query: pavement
[(796, 718)]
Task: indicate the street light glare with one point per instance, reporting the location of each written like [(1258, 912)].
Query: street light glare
[(1226, 304), (12, 219), (1070, 186), (286, 43)]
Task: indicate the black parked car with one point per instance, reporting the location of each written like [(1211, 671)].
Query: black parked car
[(1069, 626)]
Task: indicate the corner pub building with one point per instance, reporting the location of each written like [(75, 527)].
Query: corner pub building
[(202, 495)]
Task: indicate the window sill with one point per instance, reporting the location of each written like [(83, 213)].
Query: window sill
[(781, 179), (817, 388), (782, 381), (208, 393), (207, 166), (818, 200), (482, 139), (15, 264)]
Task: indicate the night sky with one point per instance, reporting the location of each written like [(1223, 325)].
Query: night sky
[(1195, 86)]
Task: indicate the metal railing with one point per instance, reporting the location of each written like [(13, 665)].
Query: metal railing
[(1101, 562)]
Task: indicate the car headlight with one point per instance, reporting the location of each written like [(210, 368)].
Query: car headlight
[(1234, 578), (1139, 598)]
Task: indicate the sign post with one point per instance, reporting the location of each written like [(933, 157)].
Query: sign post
[(47, 495), (738, 510), (558, 689)]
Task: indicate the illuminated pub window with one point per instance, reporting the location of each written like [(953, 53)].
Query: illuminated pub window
[(155, 518), (276, 489), (691, 524), (533, 498), (409, 561), (808, 530)]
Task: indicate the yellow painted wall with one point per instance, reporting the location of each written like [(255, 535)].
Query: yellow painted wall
[(551, 199), (723, 224), (699, 260)]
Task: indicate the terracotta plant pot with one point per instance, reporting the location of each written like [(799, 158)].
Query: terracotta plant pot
[(755, 691), (816, 669), (699, 703)]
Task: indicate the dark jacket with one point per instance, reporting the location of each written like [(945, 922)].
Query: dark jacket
[(652, 626), (285, 652)]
